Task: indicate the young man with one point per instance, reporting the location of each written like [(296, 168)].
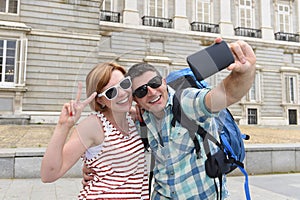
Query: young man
[(178, 174)]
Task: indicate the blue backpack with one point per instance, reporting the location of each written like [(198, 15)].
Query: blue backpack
[(231, 151)]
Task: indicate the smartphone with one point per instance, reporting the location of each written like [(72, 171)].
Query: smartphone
[(210, 60)]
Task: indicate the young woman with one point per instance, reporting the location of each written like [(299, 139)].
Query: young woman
[(107, 140)]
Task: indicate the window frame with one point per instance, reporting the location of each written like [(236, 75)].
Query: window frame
[(257, 90), (7, 2), (148, 8), (196, 14), (20, 61), (110, 3), (287, 28), (251, 12), (291, 95), (249, 116)]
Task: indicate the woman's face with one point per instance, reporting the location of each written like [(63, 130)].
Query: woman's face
[(123, 99)]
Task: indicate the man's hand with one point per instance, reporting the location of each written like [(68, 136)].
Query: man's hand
[(245, 58), (88, 175), (238, 82)]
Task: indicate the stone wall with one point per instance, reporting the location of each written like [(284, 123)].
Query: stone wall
[(260, 159)]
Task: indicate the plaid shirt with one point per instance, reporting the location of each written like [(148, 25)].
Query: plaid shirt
[(178, 174)]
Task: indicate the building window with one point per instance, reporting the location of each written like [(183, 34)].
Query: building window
[(254, 92), (12, 62), (202, 8), (7, 60), (284, 18), (245, 12), (292, 116), (290, 88), (156, 8), (9, 6), (107, 5), (156, 14), (252, 116)]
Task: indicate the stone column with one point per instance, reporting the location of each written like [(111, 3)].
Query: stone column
[(297, 10), (266, 27), (130, 12), (180, 19), (226, 26)]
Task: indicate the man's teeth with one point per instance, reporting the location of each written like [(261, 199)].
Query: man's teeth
[(156, 99)]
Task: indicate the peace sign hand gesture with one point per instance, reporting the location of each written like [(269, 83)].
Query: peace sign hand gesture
[(71, 111)]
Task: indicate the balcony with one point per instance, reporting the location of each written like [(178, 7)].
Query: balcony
[(157, 22), (205, 27), (247, 32), (290, 37), (109, 16)]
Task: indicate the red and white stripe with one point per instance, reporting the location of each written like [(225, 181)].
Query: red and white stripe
[(121, 171)]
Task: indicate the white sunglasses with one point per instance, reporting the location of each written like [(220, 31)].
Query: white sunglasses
[(112, 92)]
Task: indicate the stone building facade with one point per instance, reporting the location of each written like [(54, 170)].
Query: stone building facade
[(46, 47)]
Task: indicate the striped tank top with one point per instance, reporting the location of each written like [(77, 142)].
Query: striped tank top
[(120, 165)]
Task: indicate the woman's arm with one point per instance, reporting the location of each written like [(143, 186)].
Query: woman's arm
[(61, 156)]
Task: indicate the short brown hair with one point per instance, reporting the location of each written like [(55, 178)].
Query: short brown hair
[(98, 78)]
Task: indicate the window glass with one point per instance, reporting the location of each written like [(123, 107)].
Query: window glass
[(9, 6), (13, 6), (252, 116), (156, 8), (290, 86), (107, 5), (284, 18), (2, 5), (245, 9), (7, 60), (202, 11)]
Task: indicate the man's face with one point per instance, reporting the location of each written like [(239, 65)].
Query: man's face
[(155, 99)]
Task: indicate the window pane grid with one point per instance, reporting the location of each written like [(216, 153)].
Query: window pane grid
[(13, 6), (202, 11), (245, 13), (290, 85), (252, 116), (9, 6), (7, 60), (284, 18)]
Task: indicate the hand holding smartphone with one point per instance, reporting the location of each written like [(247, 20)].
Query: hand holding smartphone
[(210, 60)]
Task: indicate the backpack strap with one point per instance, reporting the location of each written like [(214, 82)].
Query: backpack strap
[(144, 133), (193, 128), (144, 136), (190, 125)]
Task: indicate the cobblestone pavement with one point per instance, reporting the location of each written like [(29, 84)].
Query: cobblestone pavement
[(262, 187)]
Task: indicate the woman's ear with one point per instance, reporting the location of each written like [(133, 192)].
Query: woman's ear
[(100, 102)]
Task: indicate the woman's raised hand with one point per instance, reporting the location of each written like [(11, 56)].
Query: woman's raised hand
[(71, 111)]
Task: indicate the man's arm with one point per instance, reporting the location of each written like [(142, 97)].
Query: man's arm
[(238, 82)]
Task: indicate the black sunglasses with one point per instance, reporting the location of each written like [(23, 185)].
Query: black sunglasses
[(112, 92), (141, 91)]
